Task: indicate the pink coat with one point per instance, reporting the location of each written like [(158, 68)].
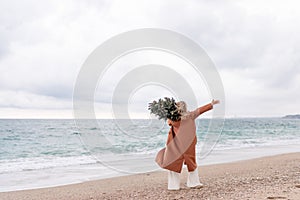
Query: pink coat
[(182, 148)]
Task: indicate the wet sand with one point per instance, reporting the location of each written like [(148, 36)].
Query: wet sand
[(274, 177)]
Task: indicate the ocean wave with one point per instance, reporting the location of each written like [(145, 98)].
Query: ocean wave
[(39, 163), (34, 144)]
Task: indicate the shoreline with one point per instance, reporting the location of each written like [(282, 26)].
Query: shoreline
[(271, 177), (61, 176)]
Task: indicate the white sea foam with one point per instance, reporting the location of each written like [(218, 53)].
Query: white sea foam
[(40, 163), (43, 153)]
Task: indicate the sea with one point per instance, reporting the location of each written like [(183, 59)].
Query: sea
[(37, 153)]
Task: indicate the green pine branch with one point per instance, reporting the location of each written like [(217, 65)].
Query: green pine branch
[(165, 109)]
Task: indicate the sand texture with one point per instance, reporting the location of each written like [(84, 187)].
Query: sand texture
[(275, 177)]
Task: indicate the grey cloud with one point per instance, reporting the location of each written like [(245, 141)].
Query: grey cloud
[(57, 90), (4, 43), (44, 43)]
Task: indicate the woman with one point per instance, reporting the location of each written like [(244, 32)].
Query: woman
[(181, 147)]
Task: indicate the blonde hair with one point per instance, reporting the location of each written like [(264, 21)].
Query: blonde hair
[(182, 109)]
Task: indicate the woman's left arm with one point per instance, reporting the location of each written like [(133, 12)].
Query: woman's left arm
[(206, 107)]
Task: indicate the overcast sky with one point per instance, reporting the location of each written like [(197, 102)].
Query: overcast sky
[(255, 46)]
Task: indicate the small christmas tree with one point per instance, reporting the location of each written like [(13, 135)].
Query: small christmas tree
[(165, 109)]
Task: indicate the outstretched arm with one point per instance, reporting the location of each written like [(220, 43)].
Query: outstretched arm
[(206, 107)]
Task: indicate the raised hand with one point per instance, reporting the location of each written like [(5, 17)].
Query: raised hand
[(213, 102)]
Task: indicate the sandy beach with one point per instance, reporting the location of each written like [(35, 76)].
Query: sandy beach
[(274, 177)]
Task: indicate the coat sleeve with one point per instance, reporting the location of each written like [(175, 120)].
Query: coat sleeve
[(201, 110), (170, 136)]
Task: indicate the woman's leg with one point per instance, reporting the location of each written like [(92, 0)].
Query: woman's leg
[(173, 180), (193, 179), (190, 160)]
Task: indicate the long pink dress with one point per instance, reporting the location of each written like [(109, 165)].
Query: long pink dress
[(181, 148)]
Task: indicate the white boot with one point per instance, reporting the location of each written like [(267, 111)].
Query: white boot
[(173, 180), (193, 179)]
